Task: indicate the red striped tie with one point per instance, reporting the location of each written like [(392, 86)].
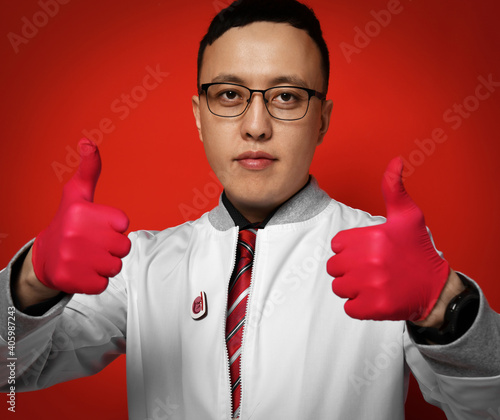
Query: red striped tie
[(236, 310)]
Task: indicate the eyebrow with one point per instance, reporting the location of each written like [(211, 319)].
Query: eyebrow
[(225, 77), (280, 80), (289, 79)]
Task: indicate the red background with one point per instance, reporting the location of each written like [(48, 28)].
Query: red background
[(395, 90)]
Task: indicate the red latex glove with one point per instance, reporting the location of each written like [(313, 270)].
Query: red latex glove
[(389, 271), (84, 243)]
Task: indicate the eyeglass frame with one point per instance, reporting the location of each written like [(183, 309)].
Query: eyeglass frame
[(311, 92)]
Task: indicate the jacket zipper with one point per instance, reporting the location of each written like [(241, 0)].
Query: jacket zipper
[(246, 321), (224, 319)]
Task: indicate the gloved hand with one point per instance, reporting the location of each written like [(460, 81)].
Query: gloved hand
[(84, 243), (389, 271)]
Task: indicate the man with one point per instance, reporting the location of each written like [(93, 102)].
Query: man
[(261, 111)]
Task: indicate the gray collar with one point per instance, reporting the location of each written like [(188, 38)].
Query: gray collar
[(309, 202)]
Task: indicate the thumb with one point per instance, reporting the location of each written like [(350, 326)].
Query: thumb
[(83, 183), (397, 200)]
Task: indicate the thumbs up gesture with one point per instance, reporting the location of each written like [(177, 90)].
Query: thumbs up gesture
[(84, 243), (389, 271)]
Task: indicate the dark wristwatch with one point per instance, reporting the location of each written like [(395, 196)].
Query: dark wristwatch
[(460, 314)]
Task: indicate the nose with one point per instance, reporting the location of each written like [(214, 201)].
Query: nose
[(256, 122)]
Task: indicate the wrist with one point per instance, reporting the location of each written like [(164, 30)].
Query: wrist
[(452, 288), (459, 316), (27, 290)]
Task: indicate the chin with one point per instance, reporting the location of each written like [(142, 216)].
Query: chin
[(251, 198)]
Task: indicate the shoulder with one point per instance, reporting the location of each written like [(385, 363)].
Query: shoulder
[(348, 217), (177, 238)]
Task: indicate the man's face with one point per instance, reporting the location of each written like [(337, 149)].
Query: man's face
[(262, 55)]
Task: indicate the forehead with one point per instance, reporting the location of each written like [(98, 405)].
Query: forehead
[(261, 53)]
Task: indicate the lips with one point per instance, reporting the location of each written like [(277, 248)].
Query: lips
[(255, 160)]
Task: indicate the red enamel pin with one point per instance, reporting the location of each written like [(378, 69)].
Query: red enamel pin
[(199, 306)]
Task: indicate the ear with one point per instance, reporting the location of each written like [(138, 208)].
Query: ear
[(326, 114), (196, 111)]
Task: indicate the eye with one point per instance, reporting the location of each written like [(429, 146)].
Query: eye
[(229, 95), (286, 97)]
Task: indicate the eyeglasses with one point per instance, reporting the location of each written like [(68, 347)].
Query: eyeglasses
[(288, 103)]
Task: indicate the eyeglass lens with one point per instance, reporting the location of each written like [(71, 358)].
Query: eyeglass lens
[(282, 102)]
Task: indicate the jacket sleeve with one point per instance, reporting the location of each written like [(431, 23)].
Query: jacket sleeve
[(76, 337), (463, 377)]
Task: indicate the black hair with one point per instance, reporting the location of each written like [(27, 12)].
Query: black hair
[(244, 12)]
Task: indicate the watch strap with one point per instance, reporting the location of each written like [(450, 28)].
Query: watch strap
[(459, 316)]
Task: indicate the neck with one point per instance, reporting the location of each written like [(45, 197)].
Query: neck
[(257, 213), (253, 214)]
